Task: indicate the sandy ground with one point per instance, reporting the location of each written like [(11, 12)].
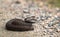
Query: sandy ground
[(10, 10)]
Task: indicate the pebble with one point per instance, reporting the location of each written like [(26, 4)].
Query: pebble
[(29, 10), (58, 27), (26, 10), (31, 19), (58, 9), (17, 2)]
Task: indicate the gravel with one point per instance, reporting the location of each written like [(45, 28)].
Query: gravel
[(10, 10)]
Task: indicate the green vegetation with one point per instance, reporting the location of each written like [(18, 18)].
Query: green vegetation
[(54, 2)]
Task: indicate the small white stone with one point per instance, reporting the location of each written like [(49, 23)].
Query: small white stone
[(42, 23), (56, 16), (57, 8)]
